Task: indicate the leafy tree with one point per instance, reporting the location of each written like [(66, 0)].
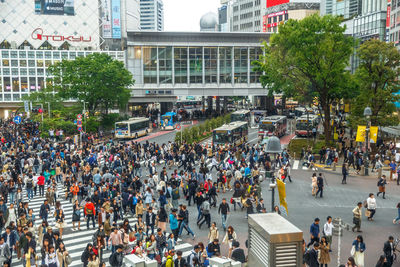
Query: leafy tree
[(43, 97), (377, 77), (307, 59), (97, 79)]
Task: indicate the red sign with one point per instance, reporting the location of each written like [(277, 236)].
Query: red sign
[(37, 34), (388, 17), (271, 3), (40, 110), (277, 14)]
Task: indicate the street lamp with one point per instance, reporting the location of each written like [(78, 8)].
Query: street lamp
[(274, 147), (367, 114)]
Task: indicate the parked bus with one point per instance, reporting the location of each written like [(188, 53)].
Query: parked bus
[(273, 125), (168, 121), (305, 124), (240, 115), (258, 115), (132, 128), (235, 133)]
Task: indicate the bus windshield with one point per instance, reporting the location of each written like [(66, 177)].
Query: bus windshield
[(302, 126), (121, 127), (222, 137), (267, 127)]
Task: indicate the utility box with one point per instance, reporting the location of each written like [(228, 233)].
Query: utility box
[(274, 241), (134, 261)]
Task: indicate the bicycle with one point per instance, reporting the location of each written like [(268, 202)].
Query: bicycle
[(395, 249)]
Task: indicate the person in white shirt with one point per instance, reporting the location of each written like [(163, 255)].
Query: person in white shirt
[(371, 206), (327, 231)]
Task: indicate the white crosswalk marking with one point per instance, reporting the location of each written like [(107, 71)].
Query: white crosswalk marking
[(75, 242), (297, 165)]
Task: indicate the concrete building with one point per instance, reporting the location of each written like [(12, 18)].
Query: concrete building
[(151, 15), (275, 15), (166, 65), (247, 15), (345, 8), (393, 22)]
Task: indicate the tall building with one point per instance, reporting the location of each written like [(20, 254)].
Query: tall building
[(151, 15), (393, 22), (371, 22), (345, 8), (247, 15)]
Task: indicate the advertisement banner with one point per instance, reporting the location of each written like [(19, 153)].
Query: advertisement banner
[(282, 194), (55, 7), (107, 33), (116, 19), (271, 3), (373, 134), (360, 133), (388, 17)]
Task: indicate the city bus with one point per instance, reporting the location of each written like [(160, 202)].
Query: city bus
[(168, 121), (305, 124), (189, 104), (240, 115), (132, 128), (258, 115), (235, 133), (272, 125)]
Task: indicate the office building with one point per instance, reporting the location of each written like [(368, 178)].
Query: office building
[(247, 15), (151, 15), (346, 8), (393, 22)]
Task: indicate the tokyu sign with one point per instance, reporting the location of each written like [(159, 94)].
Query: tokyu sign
[(37, 34)]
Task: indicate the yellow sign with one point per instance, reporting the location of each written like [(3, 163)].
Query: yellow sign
[(282, 194), (267, 122), (360, 133), (347, 108), (373, 134)]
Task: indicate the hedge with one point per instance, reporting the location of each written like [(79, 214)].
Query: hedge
[(297, 144), (202, 131)]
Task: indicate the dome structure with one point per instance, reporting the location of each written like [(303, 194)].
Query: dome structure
[(209, 22)]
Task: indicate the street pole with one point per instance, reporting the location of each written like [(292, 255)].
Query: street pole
[(84, 114), (273, 192), (48, 104), (366, 148), (339, 245)]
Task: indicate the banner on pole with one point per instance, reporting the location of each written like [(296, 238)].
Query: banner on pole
[(282, 194), (361, 133)]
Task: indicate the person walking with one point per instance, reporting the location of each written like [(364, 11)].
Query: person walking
[(173, 223), (388, 249), (320, 185), (314, 232), (371, 206), (357, 211), (213, 232), (382, 186), (224, 211), (229, 237), (357, 251), (90, 212), (314, 184), (327, 231), (311, 256), (324, 248), (398, 214), (345, 172)]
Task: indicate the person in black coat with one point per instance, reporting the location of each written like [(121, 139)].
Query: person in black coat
[(344, 173), (237, 253), (180, 261), (86, 253), (150, 221), (388, 249), (311, 256)]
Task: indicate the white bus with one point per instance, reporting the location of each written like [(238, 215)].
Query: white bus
[(240, 115), (235, 133), (272, 125), (132, 128), (305, 124)]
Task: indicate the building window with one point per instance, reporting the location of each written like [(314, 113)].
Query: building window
[(254, 54), (210, 64), (241, 65), (196, 64), (165, 64), (225, 64), (150, 65), (180, 61)]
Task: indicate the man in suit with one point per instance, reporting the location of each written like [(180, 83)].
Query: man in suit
[(150, 221), (237, 252), (261, 206), (388, 249)]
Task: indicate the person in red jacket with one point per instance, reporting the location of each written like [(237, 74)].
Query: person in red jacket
[(40, 183), (90, 212)]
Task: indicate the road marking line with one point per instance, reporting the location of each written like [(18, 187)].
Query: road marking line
[(296, 164)]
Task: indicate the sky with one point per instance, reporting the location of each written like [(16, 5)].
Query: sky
[(184, 15)]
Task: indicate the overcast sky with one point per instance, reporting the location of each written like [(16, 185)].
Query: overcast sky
[(184, 15)]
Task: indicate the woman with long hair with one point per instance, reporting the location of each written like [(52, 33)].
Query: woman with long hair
[(230, 236), (76, 216), (357, 251)]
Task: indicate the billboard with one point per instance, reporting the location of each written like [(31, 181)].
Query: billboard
[(116, 19), (107, 32), (55, 7), (271, 3)]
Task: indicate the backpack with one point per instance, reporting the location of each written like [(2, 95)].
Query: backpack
[(365, 204), (88, 211), (175, 194), (306, 257), (189, 256)]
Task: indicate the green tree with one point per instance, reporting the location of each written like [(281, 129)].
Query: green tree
[(307, 59), (377, 77), (43, 97), (98, 80)]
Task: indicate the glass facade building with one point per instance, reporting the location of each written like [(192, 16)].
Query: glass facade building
[(25, 71)]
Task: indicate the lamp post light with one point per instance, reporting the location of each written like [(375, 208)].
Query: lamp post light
[(274, 147), (367, 114)]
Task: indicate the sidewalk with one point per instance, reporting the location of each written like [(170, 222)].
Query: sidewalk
[(352, 172)]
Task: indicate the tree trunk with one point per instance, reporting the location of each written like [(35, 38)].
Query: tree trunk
[(327, 120)]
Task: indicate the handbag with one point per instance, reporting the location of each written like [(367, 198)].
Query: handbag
[(353, 250), (68, 260), (367, 213)]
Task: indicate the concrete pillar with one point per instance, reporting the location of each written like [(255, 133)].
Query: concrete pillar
[(218, 105), (225, 103)]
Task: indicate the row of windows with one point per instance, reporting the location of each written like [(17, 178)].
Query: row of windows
[(246, 6), (278, 18), (23, 54), (395, 37), (246, 15), (246, 25)]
